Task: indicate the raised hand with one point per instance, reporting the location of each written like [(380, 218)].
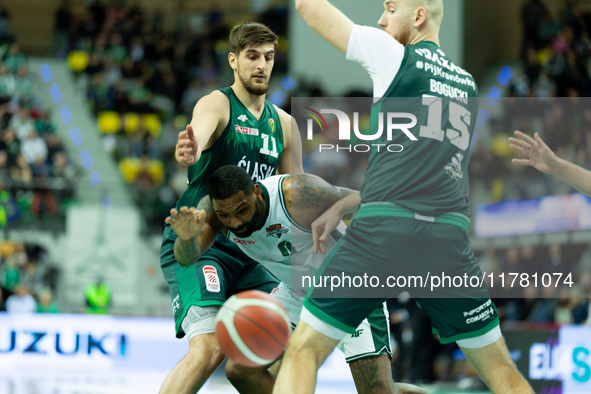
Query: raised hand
[(187, 223), (186, 147), (534, 152)]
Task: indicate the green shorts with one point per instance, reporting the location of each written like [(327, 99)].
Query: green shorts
[(385, 240), (221, 272)]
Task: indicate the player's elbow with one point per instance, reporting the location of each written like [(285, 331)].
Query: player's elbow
[(183, 263), (302, 6)]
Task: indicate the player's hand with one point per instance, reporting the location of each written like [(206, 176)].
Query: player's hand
[(322, 227), (186, 147), (187, 223), (534, 152)]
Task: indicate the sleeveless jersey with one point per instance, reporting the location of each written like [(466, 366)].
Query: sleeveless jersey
[(281, 241), (255, 145), (430, 175)]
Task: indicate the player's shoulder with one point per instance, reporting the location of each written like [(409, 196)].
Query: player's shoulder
[(215, 101), (284, 116), (274, 180)]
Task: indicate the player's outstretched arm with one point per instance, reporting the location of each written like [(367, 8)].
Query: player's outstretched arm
[(326, 20), (196, 229), (535, 153), (210, 115), (329, 220), (291, 158)]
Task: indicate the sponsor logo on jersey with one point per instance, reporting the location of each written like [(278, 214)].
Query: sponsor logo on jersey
[(246, 130), (244, 241), (176, 304), (242, 118), (357, 333), (483, 312), (212, 281), (454, 168), (276, 230), (272, 125)]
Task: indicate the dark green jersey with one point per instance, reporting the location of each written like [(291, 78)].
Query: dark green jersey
[(246, 142), (255, 145), (430, 175)]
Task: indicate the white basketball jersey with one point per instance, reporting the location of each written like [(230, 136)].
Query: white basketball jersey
[(281, 241)]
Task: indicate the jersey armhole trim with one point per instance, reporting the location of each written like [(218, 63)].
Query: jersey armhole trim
[(397, 77), (218, 142), (282, 200)]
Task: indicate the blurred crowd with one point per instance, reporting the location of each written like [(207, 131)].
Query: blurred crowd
[(547, 94), (135, 63), (28, 279), (36, 176)]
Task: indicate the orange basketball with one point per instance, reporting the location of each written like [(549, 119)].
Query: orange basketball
[(252, 328)]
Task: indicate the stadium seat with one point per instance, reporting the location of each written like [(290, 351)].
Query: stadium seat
[(153, 124), (78, 61), (129, 168), (156, 170), (109, 122), (131, 121)]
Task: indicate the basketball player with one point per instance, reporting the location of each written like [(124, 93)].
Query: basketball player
[(414, 202), (258, 218), (535, 153), (234, 125)]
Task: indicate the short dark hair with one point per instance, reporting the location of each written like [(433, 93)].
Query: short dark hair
[(248, 34), (229, 180)]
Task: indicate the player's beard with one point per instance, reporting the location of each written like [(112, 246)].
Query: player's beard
[(403, 35), (253, 225), (257, 89)]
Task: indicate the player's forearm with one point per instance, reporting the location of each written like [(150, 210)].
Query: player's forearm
[(187, 252), (576, 176), (348, 204)]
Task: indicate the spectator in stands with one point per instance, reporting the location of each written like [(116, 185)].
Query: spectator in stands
[(98, 297), (7, 85), (34, 149), (532, 13), (32, 277), (15, 59), (21, 301), (61, 27), (140, 97), (21, 171), (10, 276), (46, 305), (535, 153), (22, 123), (11, 145)]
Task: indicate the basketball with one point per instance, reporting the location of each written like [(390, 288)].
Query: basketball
[(252, 328)]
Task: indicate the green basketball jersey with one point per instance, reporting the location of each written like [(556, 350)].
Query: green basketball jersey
[(430, 175), (246, 142), (255, 145)]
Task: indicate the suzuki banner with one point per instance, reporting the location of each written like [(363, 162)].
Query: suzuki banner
[(64, 342)]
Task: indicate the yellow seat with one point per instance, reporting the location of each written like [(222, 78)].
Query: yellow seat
[(109, 122), (153, 124), (6, 248), (131, 121), (500, 145), (156, 170), (78, 61), (129, 168)]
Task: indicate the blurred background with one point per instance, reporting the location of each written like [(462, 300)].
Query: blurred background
[(92, 97)]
